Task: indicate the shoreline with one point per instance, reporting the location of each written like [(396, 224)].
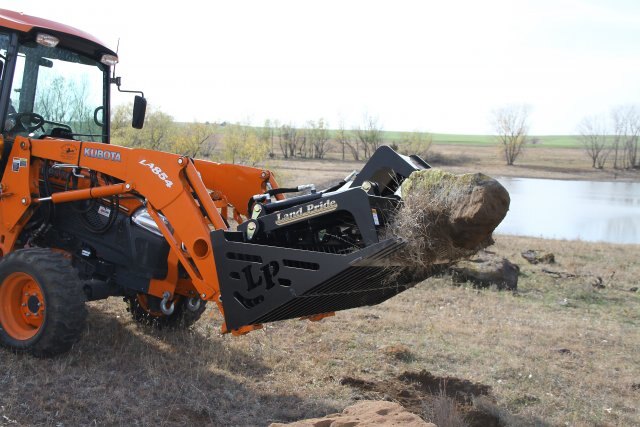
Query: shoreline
[(548, 240), (325, 170)]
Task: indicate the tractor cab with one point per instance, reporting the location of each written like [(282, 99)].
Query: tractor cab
[(54, 81)]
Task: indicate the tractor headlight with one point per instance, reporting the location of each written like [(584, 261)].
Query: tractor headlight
[(47, 40)]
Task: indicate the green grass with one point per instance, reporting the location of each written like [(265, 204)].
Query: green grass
[(556, 141)]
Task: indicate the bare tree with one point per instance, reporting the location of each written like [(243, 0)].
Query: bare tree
[(290, 138), (510, 124), (319, 138), (626, 133), (369, 135), (268, 134), (344, 138), (64, 100), (593, 136)]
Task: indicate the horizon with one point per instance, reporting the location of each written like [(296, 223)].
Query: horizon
[(435, 68)]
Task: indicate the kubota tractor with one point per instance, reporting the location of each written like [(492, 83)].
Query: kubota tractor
[(83, 220)]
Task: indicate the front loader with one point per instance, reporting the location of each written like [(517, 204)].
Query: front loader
[(81, 219)]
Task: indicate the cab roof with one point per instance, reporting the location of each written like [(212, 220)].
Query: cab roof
[(70, 37)]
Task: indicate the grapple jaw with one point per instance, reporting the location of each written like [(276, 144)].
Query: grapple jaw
[(317, 253)]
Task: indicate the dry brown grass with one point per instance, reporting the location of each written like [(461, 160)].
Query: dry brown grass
[(558, 351)]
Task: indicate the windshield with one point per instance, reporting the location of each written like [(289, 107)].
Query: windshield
[(66, 89)]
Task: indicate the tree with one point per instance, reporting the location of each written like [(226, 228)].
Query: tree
[(318, 136), (344, 138), (120, 122), (156, 131), (65, 100), (511, 127), (416, 143), (626, 132), (156, 134), (290, 139), (369, 135), (593, 136), (267, 135), (241, 144), (195, 139)]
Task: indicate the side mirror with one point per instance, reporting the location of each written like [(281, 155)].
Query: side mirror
[(139, 111)]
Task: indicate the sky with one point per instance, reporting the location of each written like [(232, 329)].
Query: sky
[(415, 65)]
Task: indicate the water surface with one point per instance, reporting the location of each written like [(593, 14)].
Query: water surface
[(585, 210)]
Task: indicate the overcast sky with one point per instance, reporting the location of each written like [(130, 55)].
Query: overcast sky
[(416, 65)]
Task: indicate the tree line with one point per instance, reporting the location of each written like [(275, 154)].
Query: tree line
[(615, 138), (246, 144)]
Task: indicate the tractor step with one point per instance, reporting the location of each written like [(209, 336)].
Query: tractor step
[(262, 284)]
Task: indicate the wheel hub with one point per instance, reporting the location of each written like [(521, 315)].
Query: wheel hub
[(33, 304), (22, 306)]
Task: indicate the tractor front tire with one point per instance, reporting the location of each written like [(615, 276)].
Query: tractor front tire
[(42, 310), (145, 309)]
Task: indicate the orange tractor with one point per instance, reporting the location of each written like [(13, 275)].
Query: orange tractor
[(83, 220)]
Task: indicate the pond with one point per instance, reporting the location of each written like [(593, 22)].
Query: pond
[(584, 210)]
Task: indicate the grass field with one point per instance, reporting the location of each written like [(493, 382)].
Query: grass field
[(558, 141), (557, 352)]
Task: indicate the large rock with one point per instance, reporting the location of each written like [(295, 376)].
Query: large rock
[(447, 217), (365, 413)]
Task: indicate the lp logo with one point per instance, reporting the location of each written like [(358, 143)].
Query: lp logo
[(267, 275)]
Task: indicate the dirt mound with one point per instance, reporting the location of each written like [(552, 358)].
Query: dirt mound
[(446, 217), (367, 413), (424, 394)]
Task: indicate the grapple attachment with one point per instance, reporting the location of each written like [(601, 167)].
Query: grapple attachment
[(317, 253)]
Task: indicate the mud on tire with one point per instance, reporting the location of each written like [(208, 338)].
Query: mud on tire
[(42, 310)]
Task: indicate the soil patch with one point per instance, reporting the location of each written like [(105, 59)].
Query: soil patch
[(420, 391)]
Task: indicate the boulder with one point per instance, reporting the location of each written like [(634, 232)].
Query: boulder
[(447, 217), (485, 272), (538, 257), (365, 413)]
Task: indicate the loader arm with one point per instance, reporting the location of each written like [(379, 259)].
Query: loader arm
[(169, 183)]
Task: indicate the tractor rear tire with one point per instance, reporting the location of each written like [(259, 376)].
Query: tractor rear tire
[(145, 310), (42, 310)]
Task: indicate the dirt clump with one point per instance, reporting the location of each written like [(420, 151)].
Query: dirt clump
[(423, 393), (538, 257), (365, 413), (398, 352), (484, 272), (447, 217)]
